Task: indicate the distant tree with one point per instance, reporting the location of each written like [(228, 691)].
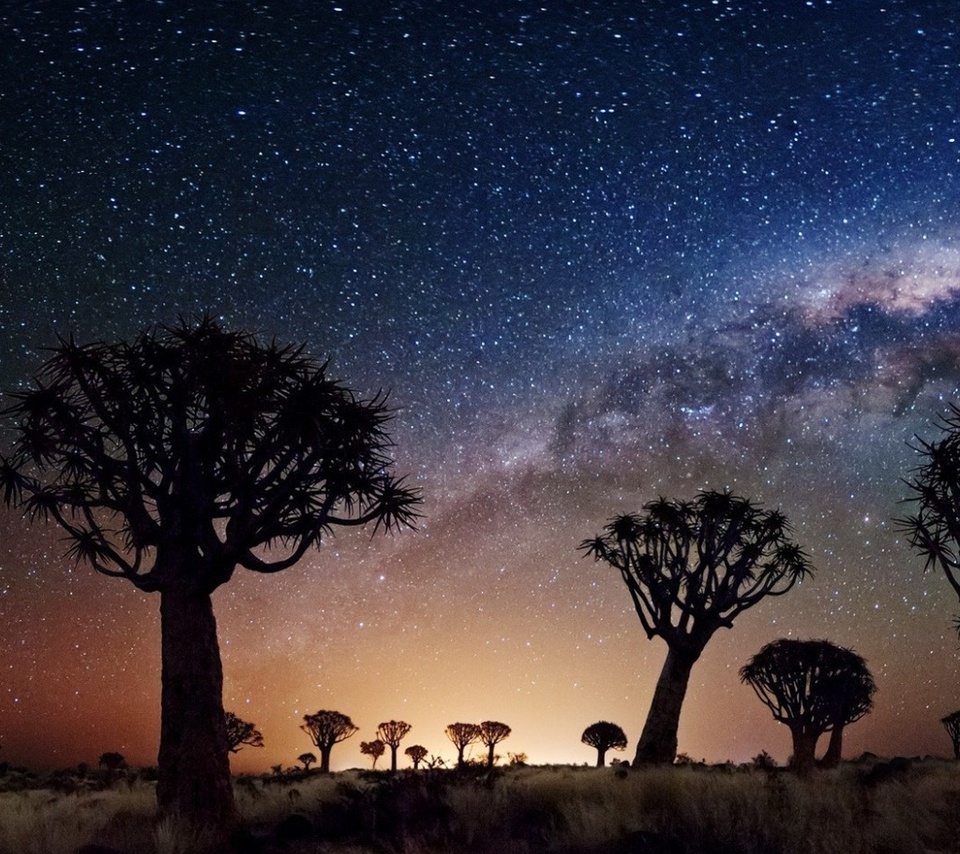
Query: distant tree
[(951, 723), (112, 762), (604, 736), (417, 753), (240, 733), (849, 692), (517, 759), (307, 759), (801, 683), (392, 733), (491, 734), (327, 728), (174, 459), (375, 749), (462, 735), (692, 567), (934, 530)]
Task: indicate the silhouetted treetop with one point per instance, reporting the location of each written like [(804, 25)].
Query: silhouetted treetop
[(934, 530), (951, 723), (491, 734), (463, 735), (327, 728), (240, 733), (199, 439)]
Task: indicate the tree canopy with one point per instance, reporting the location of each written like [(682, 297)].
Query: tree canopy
[(604, 736), (692, 567)]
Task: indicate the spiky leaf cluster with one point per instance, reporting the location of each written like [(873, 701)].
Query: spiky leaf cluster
[(813, 684), (693, 566), (202, 442)]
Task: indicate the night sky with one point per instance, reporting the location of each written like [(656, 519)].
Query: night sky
[(597, 252)]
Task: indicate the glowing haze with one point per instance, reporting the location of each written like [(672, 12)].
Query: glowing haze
[(597, 251)]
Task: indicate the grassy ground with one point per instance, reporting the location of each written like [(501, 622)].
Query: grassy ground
[(877, 808)]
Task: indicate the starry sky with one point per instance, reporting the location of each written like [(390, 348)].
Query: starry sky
[(597, 251)]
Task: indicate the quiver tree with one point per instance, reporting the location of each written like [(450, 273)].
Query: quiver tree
[(462, 735), (692, 567), (951, 723), (392, 733), (491, 734), (240, 733), (934, 530), (307, 759), (849, 689), (326, 729), (604, 736), (374, 749), (171, 461), (803, 685), (417, 753)]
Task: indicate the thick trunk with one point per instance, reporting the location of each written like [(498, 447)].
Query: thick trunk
[(393, 758), (194, 766), (490, 756), (324, 759), (804, 748), (831, 759), (658, 741), (601, 757)]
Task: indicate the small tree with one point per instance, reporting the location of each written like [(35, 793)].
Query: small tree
[(307, 759), (327, 728), (175, 459), (112, 762), (692, 567), (801, 682), (934, 530), (374, 749), (491, 734), (951, 723), (462, 735), (391, 733), (604, 736), (240, 733), (417, 753)]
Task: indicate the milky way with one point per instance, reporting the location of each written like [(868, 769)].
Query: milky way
[(597, 252)]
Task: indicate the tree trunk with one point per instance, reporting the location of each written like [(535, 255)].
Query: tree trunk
[(658, 741), (393, 759), (194, 766), (601, 757), (490, 756), (324, 759), (831, 759), (804, 748)]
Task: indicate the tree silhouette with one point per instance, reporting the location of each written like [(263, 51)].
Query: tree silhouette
[(307, 759), (174, 459), (604, 736), (951, 723), (391, 733), (373, 748), (691, 568), (240, 733), (462, 735), (113, 762), (491, 734), (417, 753), (934, 530), (803, 685), (326, 729), (849, 689)]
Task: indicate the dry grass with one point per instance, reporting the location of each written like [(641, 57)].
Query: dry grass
[(851, 810)]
